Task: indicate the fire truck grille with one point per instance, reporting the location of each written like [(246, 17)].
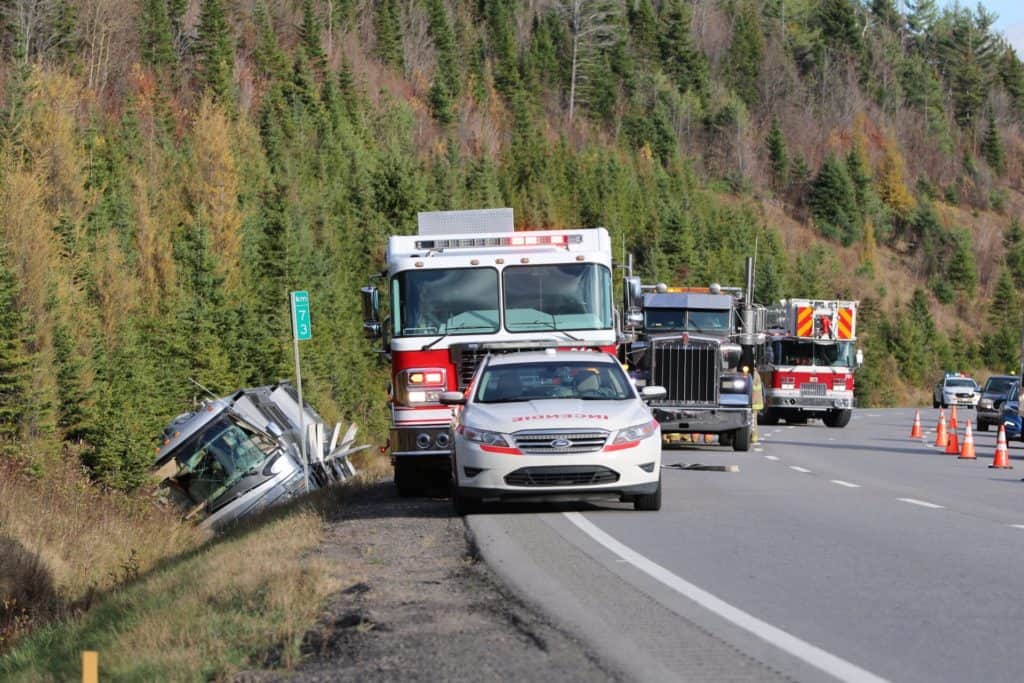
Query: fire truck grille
[(689, 372), (814, 389), (569, 475), (559, 442)]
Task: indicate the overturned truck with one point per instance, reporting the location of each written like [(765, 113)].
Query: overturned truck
[(242, 453)]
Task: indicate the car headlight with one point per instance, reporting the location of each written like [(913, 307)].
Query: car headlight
[(636, 432), (985, 403), (488, 438)]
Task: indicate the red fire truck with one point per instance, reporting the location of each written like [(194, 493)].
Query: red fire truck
[(809, 360), (468, 285)]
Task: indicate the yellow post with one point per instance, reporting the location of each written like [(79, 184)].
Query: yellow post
[(90, 667)]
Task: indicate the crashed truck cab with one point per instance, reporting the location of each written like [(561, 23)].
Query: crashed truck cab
[(234, 455)]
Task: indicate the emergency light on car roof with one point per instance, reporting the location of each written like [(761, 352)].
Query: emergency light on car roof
[(513, 241)]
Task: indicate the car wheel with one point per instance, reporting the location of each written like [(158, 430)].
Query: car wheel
[(982, 426), (935, 404), (649, 501)]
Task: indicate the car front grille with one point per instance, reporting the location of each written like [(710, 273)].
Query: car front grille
[(555, 442), (688, 371), (569, 475), (814, 389)]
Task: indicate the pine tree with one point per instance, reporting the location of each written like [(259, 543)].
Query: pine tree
[(310, 36), (268, 55), (445, 88), (778, 157), (157, 41), (681, 58), (1013, 251), (743, 59), (215, 49), (839, 25), (74, 402), (387, 24), (962, 272), (15, 361), (887, 13), (992, 147), (1011, 72), (643, 28), (833, 202)]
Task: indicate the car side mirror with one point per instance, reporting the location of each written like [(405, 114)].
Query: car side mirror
[(653, 393), (452, 398)]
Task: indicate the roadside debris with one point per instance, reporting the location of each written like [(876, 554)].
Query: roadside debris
[(701, 468), (241, 453)]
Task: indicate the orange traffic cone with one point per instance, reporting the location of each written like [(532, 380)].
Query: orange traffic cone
[(915, 431), (952, 419), (953, 445), (967, 452), (941, 437), (1001, 461)]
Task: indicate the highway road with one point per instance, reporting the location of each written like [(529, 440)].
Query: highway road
[(833, 554)]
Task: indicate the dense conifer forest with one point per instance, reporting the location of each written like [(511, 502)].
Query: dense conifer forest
[(170, 169)]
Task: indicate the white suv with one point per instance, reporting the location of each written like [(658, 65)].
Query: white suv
[(554, 425), (956, 390)]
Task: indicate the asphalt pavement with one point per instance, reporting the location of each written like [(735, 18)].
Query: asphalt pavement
[(849, 554)]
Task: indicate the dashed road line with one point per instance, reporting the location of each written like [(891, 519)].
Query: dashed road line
[(797, 468), (845, 483), (771, 457), (1017, 526), (922, 503)]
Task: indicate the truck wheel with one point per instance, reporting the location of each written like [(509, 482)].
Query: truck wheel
[(406, 479), (837, 418), (741, 439), (768, 417), (982, 426), (649, 501)]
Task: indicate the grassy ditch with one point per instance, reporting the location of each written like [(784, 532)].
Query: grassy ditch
[(156, 598)]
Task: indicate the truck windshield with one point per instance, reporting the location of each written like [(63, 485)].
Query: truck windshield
[(553, 380), (445, 301), (822, 354), (676, 319), (219, 455), (560, 296)]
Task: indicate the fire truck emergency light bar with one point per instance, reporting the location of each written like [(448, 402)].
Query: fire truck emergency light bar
[(516, 241)]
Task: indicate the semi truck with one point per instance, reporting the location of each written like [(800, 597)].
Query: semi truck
[(809, 361), (467, 285)]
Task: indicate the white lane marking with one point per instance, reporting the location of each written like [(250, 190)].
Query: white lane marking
[(1017, 526), (922, 503), (845, 483), (815, 656), (759, 450), (771, 457), (799, 469)]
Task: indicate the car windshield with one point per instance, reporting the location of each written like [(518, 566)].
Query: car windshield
[(559, 296), (677, 319), (219, 455), (961, 383), (445, 301), (999, 385), (827, 354), (554, 380)]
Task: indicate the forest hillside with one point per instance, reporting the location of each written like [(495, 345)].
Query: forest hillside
[(170, 169)]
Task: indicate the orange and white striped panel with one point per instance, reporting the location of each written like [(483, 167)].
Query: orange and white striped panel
[(845, 330), (804, 321)]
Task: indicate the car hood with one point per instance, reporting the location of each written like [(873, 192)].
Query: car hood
[(556, 414)]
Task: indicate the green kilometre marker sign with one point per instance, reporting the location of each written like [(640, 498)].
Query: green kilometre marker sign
[(302, 329)]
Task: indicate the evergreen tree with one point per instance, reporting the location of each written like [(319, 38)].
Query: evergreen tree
[(778, 157), (743, 59), (310, 36), (74, 402), (962, 272), (157, 37), (681, 58), (839, 24), (1013, 251), (388, 26), (969, 52), (1011, 73), (643, 28), (15, 361), (833, 202), (445, 88), (992, 148), (215, 49), (269, 57), (887, 13)]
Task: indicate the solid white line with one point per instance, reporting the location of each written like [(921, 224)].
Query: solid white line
[(771, 457), (800, 469), (815, 656), (1017, 526), (845, 483), (922, 503)]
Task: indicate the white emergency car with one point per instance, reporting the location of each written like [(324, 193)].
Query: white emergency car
[(554, 425)]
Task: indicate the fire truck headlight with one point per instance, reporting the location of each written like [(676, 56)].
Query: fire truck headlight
[(420, 385)]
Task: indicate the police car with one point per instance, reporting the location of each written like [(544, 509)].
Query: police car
[(956, 389), (543, 425)]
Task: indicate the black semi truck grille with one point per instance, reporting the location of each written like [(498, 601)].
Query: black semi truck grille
[(689, 372), (568, 475)]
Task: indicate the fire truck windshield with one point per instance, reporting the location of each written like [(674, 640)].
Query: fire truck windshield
[(445, 301), (560, 296), (822, 354), (675, 319)]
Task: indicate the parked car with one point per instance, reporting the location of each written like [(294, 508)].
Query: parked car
[(956, 389), (543, 425), (993, 396), (1011, 415)]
